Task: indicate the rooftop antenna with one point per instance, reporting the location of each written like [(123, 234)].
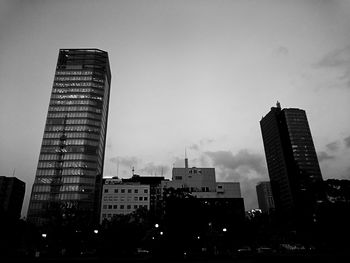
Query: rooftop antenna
[(186, 160), (133, 170), (278, 104), (14, 171), (118, 167)]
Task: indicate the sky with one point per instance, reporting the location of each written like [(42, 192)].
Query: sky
[(194, 75)]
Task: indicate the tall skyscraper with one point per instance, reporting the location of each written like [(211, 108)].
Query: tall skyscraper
[(68, 179), (292, 162), (265, 197)]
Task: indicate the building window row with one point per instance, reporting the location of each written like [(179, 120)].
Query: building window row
[(82, 72), (77, 90), (123, 206), (73, 128), (76, 102), (125, 198), (76, 96), (73, 78), (123, 190), (70, 142), (78, 84), (57, 135), (74, 108)]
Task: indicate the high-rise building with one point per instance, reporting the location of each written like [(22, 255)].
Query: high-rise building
[(69, 173), (292, 162), (11, 197), (265, 198)]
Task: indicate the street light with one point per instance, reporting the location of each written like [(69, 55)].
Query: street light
[(224, 229), (96, 231), (156, 225), (44, 235), (161, 233)]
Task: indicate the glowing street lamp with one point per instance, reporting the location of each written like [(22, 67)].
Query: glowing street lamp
[(44, 235), (156, 225), (161, 233), (224, 229), (96, 231)]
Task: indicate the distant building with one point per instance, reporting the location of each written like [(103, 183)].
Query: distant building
[(292, 163), (12, 192), (68, 179), (222, 198), (265, 198), (201, 182), (120, 198)]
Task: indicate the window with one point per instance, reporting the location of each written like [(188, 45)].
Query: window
[(109, 206), (145, 198), (121, 206), (136, 191), (106, 190), (115, 191), (128, 207), (145, 191), (104, 206), (140, 198), (135, 206), (136, 198), (115, 206), (123, 191), (178, 177), (129, 191)]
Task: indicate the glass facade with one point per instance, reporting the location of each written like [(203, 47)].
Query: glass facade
[(70, 167), (292, 162)]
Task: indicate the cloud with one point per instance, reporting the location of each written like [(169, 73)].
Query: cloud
[(280, 51), (333, 146), (338, 59), (347, 142), (125, 161), (152, 169), (322, 156), (244, 167), (194, 147)]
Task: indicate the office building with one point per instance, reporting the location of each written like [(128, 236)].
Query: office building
[(265, 198), (120, 198), (222, 197), (292, 163), (11, 197), (70, 168), (155, 184)]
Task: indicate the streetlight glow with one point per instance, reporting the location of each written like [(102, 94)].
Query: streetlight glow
[(156, 225), (96, 231), (224, 229), (44, 235)]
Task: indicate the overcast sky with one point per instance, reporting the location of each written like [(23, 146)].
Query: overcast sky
[(185, 74)]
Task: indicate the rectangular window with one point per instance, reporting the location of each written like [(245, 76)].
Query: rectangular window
[(123, 191), (140, 198), (109, 206), (136, 191), (115, 206), (129, 191), (145, 198), (145, 191), (104, 206), (106, 190), (115, 191), (135, 206), (128, 207), (121, 206)]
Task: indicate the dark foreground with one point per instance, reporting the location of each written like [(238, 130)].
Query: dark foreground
[(285, 258)]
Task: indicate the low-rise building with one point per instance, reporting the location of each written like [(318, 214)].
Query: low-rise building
[(120, 198)]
